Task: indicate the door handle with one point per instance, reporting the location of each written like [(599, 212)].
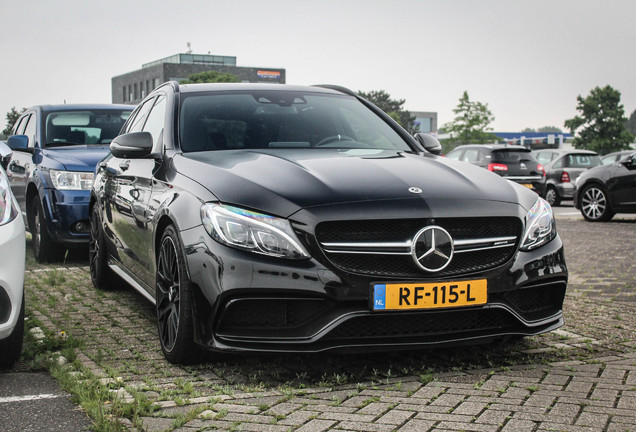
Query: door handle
[(124, 165)]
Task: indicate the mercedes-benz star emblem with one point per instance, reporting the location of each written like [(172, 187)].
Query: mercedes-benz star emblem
[(415, 190), (432, 248)]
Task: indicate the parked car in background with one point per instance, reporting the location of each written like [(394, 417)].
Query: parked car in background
[(302, 219), (562, 167), (55, 150), (515, 163), (614, 157), (12, 245), (606, 190)]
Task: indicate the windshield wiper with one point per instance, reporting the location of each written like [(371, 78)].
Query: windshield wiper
[(61, 143)]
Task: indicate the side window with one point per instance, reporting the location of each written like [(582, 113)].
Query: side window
[(558, 164), (138, 122), (18, 128), (543, 157), (471, 155), (29, 130), (454, 155), (156, 118)]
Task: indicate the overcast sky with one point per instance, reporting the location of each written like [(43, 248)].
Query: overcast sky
[(528, 60)]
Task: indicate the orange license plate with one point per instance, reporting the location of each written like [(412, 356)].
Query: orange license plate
[(400, 296)]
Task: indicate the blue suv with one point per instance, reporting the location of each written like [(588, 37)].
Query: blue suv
[(55, 150)]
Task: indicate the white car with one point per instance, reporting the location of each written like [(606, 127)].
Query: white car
[(11, 269)]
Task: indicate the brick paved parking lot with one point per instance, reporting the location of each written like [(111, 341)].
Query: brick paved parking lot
[(579, 378)]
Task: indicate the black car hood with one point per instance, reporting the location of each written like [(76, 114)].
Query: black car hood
[(283, 181)]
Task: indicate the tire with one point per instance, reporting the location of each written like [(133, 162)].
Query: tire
[(594, 204), (552, 196), (44, 248), (101, 274), (175, 318), (11, 347)]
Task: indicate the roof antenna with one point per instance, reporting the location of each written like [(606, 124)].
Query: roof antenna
[(189, 51)]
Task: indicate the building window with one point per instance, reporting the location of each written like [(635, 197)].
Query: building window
[(148, 89), (130, 95), (124, 94), (155, 83)]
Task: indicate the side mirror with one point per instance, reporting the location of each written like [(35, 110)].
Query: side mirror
[(429, 142), (629, 163), (18, 142), (134, 145), (5, 155)]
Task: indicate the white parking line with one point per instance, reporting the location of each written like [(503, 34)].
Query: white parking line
[(28, 398)]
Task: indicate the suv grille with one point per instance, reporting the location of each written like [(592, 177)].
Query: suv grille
[(382, 247)]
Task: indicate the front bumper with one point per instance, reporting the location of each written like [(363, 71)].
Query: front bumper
[(566, 190), (66, 214), (11, 274), (246, 302)]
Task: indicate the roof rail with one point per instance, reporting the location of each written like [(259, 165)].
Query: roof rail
[(337, 88)]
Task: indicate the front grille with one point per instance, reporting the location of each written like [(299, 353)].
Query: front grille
[(387, 262), (426, 327)]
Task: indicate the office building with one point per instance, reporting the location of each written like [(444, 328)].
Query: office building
[(132, 87)]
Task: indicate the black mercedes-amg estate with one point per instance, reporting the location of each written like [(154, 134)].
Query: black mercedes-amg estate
[(300, 219)]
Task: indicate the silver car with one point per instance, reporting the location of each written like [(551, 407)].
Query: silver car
[(11, 269), (562, 167)]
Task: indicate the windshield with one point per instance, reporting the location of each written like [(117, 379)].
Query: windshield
[(582, 161), (84, 126), (281, 119)]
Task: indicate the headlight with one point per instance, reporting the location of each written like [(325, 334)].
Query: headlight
[(71, 180), (8, 210), (248, 230), (540, 227)]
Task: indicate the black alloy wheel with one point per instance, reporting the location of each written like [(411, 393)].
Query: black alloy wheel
[(101, 274), (43, 245), (552, 196), (174, 302), (594, 204)]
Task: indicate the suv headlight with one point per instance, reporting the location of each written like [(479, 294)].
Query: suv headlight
[(8, 209), (540, 226), (71, 180), (248, 230)]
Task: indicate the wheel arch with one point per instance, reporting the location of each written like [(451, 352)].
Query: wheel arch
[(163, 222), (31, 192)]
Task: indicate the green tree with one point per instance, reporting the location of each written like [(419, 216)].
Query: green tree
[(543, 129), (471, 123), (549, 129), (601, 122), (210, 77), (631, 123), (12, 116), (393, 107)]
